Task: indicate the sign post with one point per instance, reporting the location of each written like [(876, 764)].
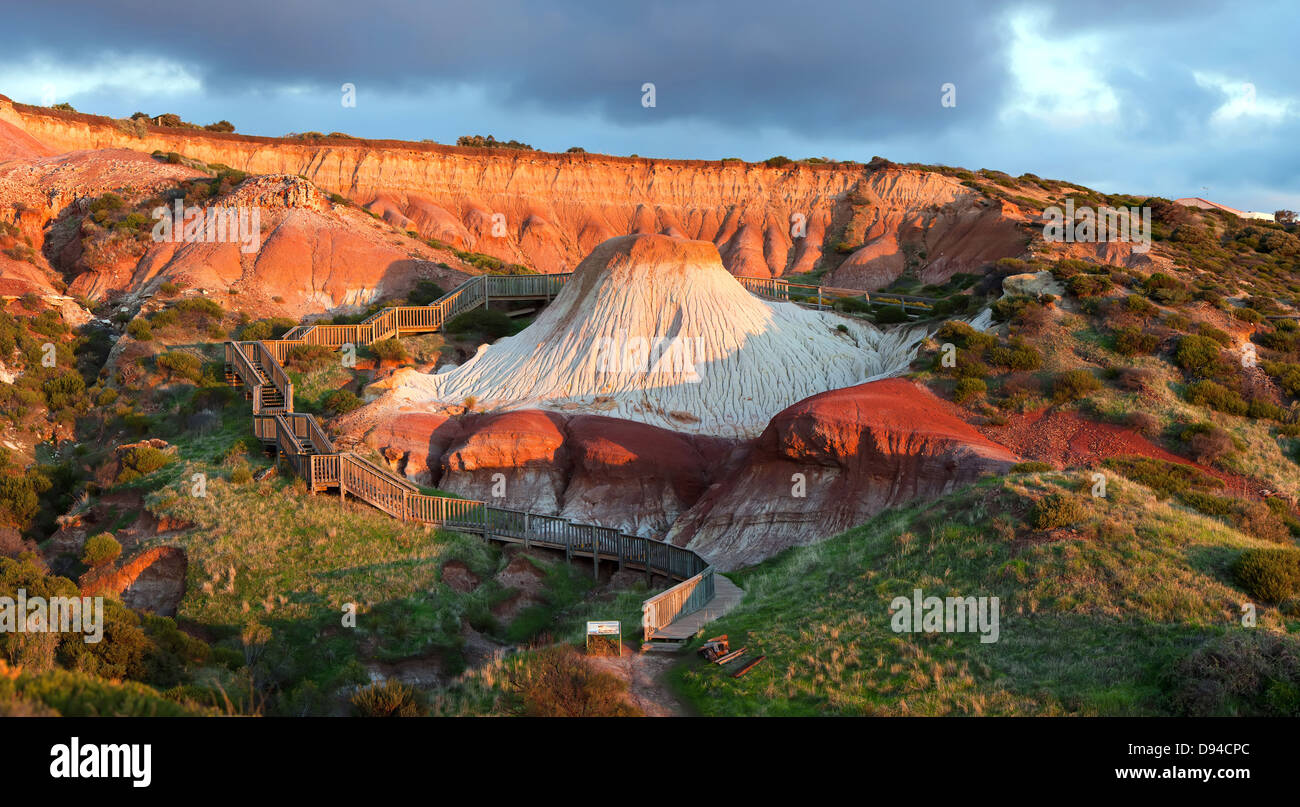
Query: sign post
[(605, 635)]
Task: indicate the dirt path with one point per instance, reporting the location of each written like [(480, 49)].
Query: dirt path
[(646, 677)]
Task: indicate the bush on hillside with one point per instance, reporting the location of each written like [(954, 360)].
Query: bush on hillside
[(1165, 478), (492, 324), (305, 358), (557, 682), (1072, 385), (1241, 673), (1057, 510), (1217, 397), (266, 329), (390, 349), (386, 699), (968, 389), (178, 364), (1131, 340), (139, 461), (1197, 354), (1269, 575), (100, 549), (1017, 356), (140, 330), (1207, 442), (425, 292), (340, 401)]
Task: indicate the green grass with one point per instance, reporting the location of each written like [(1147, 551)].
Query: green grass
[(271, 555), (1091, 624)]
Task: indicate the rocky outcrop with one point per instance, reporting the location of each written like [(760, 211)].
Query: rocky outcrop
[(514, 460), (831, 462), (555, 208), (592, 469), (929, 224), (301, 255), (153, 580), (652, 328)]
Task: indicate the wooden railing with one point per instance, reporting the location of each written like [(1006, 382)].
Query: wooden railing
[(299, 439), (238, 360), (686, 597), (778, 289)]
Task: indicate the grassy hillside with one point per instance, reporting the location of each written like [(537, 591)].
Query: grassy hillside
[(1114, 612)]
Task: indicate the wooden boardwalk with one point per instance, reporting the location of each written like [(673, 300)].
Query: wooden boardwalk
[(726, 596), (673, 615)]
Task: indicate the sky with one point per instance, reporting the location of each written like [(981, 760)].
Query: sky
[(1187, 98)]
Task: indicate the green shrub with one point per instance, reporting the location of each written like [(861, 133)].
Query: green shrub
[(140, 330), (967, 389), (308, 357), (168, 288), (1088, 285), (138, 461), (1250, 673), (962, 335), (390, 349), (1222, 337), (266, 329), (425, 292), (1057, 510), (1217, 397), (1164, 288), (1141, 306), (1269, 575), (1031, 467), (178, 364), (1018, 356), (1131, 340), (65, 390), (1072, 385), (241, 474), (200, 305), (101, 549), (1197, 354), (492, 324), (1165, 478), (386, 699), (888, 315), (340, 401)]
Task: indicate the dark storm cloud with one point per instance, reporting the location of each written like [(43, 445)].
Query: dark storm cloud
[(849, 77), (836, 67)]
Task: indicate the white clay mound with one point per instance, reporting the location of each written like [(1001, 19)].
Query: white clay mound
[(652, 328)]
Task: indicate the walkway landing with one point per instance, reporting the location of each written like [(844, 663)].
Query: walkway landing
[(726, 595)]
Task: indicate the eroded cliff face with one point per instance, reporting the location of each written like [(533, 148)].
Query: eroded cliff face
[(824, 465), (548, 211), (831, 462), (587, 468)]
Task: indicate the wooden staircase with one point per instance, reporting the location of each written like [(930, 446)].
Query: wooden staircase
[(298, 439)]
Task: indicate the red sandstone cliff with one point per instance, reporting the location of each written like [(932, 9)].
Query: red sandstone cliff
[(832, 461), (555, 208)]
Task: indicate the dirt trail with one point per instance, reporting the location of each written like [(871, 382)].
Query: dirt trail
[(646, 677)]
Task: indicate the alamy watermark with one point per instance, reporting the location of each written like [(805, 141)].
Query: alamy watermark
[(1085, 225), (23, 614), (655, 355), (213, 225), (921, 614)]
